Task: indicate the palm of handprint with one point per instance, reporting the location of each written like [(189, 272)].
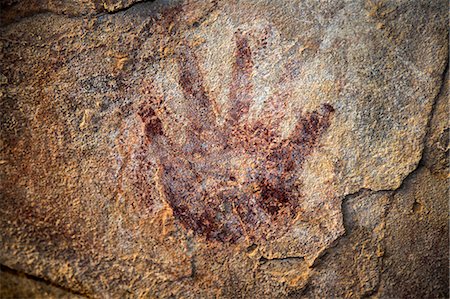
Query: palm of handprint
[(232, 178)]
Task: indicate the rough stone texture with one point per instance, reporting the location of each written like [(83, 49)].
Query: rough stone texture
[(14, 10), (19, 285), (226, 149)]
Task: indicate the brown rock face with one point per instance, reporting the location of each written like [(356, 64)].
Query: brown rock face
[(203, 149), (13, 10)]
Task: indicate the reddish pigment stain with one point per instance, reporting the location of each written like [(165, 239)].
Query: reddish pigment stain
[(241, 86), (247, 175), (152, 124)]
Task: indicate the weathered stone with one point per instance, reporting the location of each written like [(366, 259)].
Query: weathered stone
[(204, 148), (416, 239), (354, 267), (14, 10), (19, 285), (436, 152)]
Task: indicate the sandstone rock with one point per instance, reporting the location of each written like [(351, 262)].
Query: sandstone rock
[(14, 10), (18, 285), (230, 149)]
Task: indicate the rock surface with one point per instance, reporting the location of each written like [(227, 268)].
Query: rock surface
[(226, 149), (14, 10), (20, 285)]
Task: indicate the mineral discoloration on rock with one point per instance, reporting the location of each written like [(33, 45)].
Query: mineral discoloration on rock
[(208, 148)]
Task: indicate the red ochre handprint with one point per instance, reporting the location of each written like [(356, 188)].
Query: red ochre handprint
[(225, 180)]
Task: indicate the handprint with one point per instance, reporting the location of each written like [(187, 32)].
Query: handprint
[(232, 178)]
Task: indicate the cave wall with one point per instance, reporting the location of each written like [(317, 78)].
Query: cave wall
[(197, 149)]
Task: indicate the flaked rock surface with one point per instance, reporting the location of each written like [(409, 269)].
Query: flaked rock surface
[(226, 148)]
